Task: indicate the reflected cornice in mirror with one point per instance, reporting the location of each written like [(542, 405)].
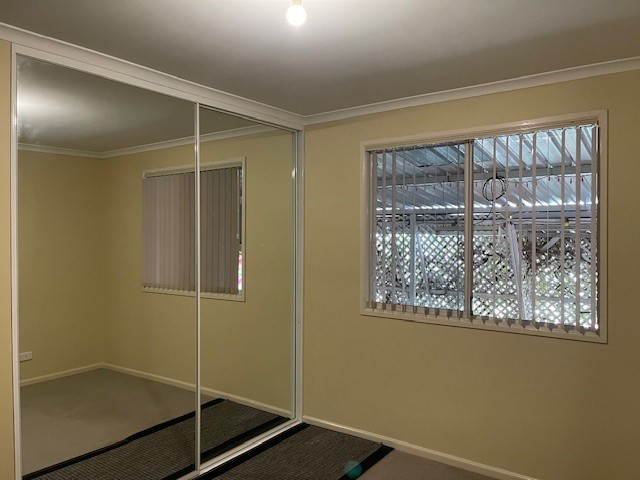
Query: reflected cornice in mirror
[(68, 110)]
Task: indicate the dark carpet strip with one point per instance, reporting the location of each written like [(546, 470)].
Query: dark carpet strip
[(135, 436), (304, 452), (208, 454), (245, 457), (165, 451), (367, 463)]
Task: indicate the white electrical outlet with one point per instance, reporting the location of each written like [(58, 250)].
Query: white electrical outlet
[(26, 356)]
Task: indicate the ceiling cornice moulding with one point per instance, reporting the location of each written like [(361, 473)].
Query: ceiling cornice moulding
[(56, 51), (74, 56), (58, 151), (537, 80), (207, 137)]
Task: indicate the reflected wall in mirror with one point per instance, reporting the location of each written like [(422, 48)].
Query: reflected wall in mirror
[(247, 279), (108, 203), (103, 358)]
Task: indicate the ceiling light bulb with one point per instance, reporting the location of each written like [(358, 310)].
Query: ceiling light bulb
[(296, 15)]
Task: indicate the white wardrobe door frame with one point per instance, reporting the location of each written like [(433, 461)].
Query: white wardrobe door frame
[(116, 69), (297, 180)]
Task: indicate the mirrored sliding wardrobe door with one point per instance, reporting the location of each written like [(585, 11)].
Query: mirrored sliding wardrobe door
[(246, 279), (107, 277)]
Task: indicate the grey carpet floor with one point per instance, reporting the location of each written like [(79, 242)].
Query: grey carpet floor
[(402, 466), (70, 416), (165, 451), (318, 454), (312, 453), (151, 457)]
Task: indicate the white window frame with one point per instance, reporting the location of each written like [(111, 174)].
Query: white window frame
[(419, 314), (213, 165)]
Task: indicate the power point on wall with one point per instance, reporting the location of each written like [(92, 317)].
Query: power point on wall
[(26, 356)]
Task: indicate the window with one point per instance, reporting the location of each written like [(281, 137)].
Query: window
[(496, 231), (168, 214)]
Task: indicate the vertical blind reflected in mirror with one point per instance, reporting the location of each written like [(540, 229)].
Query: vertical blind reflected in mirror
[(104, 277)]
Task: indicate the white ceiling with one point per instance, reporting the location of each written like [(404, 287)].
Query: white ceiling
[(64, 108), (350, 52)]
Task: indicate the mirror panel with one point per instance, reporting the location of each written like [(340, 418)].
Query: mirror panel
[(106, 242), (109, 210), (247, 279)]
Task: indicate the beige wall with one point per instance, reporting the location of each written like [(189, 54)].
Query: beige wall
[(61, 244), (145, 332), (245, 345), (6, 371), (80, 261), (548, 408)]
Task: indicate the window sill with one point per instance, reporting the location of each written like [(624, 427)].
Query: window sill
[(421, 315), (233, 297)]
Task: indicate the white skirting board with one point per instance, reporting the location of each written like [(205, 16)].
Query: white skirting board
[(206, 391), (160, 379), (65, 373), (247, 402), (434, 455)]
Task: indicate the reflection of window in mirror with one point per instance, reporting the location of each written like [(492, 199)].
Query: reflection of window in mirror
[(168, 230)]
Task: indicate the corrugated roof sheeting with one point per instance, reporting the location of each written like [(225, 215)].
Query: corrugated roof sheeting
[(430, 179)]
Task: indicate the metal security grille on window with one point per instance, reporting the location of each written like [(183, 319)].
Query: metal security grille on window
[(532, 249)]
